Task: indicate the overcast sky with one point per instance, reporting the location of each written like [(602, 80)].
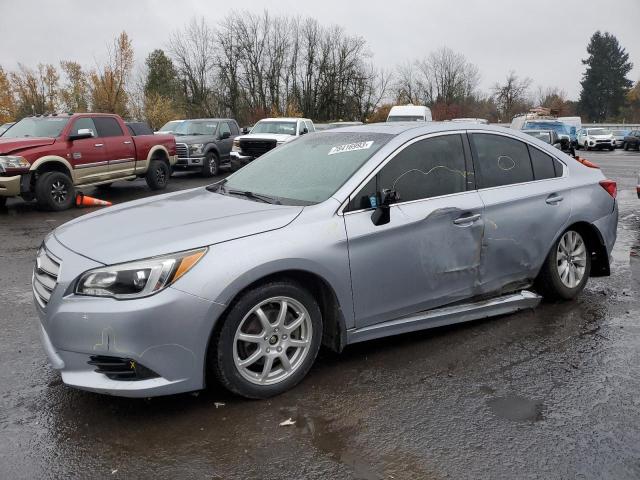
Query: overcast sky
[(543, 39)]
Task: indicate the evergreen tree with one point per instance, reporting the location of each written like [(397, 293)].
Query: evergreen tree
[(162, 77), (604, 83)]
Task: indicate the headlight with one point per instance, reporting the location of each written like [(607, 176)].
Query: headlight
[(196, 148), (137, 279), (236, 145), (10, 161)]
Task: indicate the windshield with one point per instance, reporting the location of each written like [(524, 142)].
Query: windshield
[(544, 136), (285, 128), (307, 170), (49, 127), (406, 118), (559, 128), (170, 126), (620, 133), (598, 131), (196, 127)]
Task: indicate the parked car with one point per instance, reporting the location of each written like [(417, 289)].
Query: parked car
[(563, 130), (205, 144), (5, 126), (575, 122), (618, 136), (332, 239), (547, 136), (47, 157), (170, 126), (409, 113), (596, 138), (266, 135), (332, 125), (632, 140)]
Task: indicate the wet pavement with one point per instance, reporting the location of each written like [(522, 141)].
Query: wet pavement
[(550, 393)]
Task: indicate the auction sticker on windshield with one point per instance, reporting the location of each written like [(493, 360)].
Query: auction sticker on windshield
[(350, 147)]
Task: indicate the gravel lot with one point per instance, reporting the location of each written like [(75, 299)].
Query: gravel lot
[(550, 393)]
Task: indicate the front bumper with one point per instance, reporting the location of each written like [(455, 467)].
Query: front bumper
[(601, 144), (190, 162), (167, 333), (10, 186), (239, 157)]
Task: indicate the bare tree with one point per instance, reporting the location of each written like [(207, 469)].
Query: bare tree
[(511, 97)]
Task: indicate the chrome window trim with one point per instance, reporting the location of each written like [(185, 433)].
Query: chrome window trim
[(392, 155)]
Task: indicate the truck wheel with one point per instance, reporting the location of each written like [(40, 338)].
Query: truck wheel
[(158, 175), (211, 165), (55, 191), (625, 146), (3, 202)]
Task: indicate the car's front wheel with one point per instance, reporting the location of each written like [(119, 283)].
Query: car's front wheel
[(268, 341), (211, 165), (566, 268)]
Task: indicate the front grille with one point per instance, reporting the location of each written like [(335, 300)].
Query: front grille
[(117, 368), (182, 150), (45, 276), (255, 148)]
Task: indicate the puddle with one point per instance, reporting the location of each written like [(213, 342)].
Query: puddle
[(518, 409)]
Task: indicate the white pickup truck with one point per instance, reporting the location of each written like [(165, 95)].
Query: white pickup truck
[(265, 135)]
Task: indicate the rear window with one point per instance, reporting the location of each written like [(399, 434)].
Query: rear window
[(107, 127)]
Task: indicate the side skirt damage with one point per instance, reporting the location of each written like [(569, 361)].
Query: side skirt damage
[(447, 316)]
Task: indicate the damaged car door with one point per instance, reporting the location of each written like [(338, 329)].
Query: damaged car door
[(527, 204), (428, 253)]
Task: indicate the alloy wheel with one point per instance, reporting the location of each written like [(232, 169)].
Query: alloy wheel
[(571, 259), (272, 340), (161, 176), (59, 191)]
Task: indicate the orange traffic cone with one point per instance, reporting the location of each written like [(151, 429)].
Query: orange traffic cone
[(83, 200)]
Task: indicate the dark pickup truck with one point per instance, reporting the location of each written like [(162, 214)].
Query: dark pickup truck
[(205, 144), (47, 157)]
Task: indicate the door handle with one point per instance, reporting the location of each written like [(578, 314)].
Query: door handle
[(99, 145), (127, 142), (467, 220), (554, 199)]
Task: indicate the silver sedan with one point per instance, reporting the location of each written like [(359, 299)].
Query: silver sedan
[(335, 238)]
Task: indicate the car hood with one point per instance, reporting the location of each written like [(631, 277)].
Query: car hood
[(169, 223), (279, 137), (11, 145), (191, 139)]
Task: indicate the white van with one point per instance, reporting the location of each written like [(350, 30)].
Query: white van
[(573, 121), (409, 113)]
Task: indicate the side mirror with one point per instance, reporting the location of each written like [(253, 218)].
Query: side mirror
[(382, 214), (81, 135), (304, 130), (225, 135), (245, 130)]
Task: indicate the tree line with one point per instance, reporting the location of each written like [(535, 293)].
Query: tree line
[(248, 66)]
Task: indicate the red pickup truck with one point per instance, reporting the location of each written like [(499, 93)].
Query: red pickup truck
[(47, 157)]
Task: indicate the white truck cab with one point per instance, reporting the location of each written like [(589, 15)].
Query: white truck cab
[(409, 113)]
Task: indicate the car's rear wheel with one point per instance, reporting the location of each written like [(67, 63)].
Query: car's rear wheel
[(3, 202), (268, 341), (211, 165), (625, 146), (55, 191), (157, 175), (567, 267)]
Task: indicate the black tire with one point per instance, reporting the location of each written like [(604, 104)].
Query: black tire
[(611, 149), (104, 186), (3, 202), (55, 191), (221, 347), (549, 282), (157, 175), (211, 165), (625, 146)]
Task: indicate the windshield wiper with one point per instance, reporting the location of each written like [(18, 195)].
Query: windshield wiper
[(255, 196), (214, 187)]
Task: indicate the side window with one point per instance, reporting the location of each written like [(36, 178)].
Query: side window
[(543, 166), (224, 127), (428, 168), (233, 128), (108, 127), (501, 160), (310, 127), (82, 124)]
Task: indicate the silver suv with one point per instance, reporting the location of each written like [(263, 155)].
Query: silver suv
[(335, 238)]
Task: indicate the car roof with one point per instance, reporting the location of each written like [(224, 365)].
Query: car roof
[(206, 120), (284, 119), (396, 128)]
